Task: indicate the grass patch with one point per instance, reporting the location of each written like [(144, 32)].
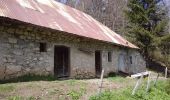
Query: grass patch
[(117, 79), (21, 98), (75, 95), (156, 93), (6, 88), (28, 78), (72, 82)]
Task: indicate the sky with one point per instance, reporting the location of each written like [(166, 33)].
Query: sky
[(167, 2)]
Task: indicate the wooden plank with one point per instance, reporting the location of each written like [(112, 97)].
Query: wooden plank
[(137, 85), (148, 83), (166, 72), (101, 82), (140, 74), (156, 79)]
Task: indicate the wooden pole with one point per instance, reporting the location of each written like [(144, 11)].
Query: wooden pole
[(148, 82), (137, 85), (101, 82), (166, 72), (156, 79)]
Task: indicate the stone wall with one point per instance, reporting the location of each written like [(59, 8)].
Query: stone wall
[(20, 53)]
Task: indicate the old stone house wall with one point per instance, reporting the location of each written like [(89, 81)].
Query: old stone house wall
[(20, 53)]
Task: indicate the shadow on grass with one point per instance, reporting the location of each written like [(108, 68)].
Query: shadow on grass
[(28, 78)]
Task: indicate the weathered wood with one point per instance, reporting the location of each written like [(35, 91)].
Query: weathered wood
[(140, 74), (156, 79), (166, 72), (101, 82), (137, 85), (148, 82)]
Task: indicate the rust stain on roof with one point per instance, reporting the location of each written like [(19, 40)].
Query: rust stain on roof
[(54, 15)]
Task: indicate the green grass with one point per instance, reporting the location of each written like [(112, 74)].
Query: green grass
[(29, 77), (155, 93), (117, 79), (6, 88), (21, 98), (75, 95)]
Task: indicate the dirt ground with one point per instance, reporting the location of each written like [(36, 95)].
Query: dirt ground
[(57, 90), (61, 89)]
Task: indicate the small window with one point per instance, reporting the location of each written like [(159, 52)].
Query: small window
[(109, 56), (43, 47), (130, 59)]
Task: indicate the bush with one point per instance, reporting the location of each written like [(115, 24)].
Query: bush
[(29, 77)]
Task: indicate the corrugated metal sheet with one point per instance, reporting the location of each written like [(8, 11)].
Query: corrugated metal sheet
[(51, 14)]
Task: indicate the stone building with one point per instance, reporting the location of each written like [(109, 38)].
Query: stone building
[(45, 37)]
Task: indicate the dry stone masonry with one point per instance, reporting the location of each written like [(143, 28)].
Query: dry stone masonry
[(20, 52)]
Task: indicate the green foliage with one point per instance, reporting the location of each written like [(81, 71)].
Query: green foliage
[(75, 95), (15, 98), (29, 77), (147, 28), (156, 93), (117, 79)]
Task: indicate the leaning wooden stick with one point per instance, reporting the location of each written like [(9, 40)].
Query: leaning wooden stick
[(166, 72), (156, 79), (101, 82), (148, 82), (137, 85)]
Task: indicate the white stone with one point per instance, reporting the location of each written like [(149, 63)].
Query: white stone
[(35, 59), (18, 52), (41, 58), (49, 68)]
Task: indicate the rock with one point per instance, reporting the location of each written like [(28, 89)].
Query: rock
[(12, 40), (41, 58), (1, 28), (4, 60), (18, 52), (11, 30), (49, 69), (10, 60), (2, 72), (11, 69)]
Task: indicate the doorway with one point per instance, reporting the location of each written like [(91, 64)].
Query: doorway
[(98, 63), (61, 61)]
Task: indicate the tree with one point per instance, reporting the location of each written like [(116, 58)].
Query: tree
[(148, 28), (108, 12)]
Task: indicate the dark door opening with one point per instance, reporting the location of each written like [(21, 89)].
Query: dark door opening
[(98, 63), (61, 61)]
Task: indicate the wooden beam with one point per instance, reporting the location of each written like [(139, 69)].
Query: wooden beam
[(101, 82), (140, 74)]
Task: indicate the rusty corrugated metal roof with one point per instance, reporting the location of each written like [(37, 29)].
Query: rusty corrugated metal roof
[(52, 14)]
